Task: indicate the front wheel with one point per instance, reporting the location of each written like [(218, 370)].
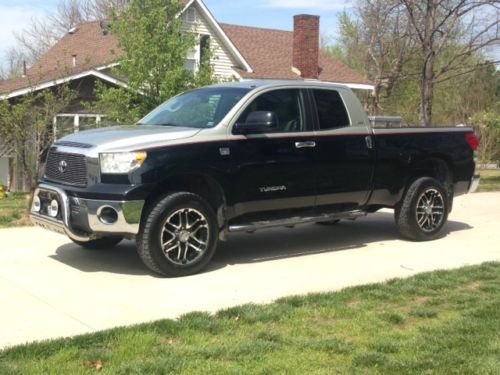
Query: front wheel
[(421, 214), (179, 236)]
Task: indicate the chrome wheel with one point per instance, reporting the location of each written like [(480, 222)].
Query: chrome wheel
[(430, 210), (185, 236)]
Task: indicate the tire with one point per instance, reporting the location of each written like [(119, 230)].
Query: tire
[(423, 211), (100, 243), (179, 235)]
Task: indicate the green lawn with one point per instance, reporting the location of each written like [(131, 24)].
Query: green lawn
[(490, 180), (442, 322), (14, 211)]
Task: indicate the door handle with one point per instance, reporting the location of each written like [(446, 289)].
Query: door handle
[(307, 144), (369, 142)]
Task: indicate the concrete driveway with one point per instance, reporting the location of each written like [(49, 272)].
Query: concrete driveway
[(51, 288)]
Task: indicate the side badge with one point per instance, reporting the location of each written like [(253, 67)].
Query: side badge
[(224, 151)]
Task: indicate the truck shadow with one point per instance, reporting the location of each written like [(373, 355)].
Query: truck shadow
[(244, 248), (281, 243)]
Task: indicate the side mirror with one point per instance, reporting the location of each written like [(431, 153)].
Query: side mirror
[(257, 122)]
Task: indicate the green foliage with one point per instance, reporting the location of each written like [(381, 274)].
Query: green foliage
[(487, 126), (27, 125), (119, 105), (14, 210), (349, 48), (156, 46), (2, 192), (490, 180), (369, 42)]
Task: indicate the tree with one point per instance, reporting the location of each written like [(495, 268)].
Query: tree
[(155, 44), (487, 125), (467, 25), (381, 39), (389, 44), (378, 42), (27, 126)]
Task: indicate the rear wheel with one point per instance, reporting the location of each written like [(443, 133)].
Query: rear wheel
[(421, 214), (179, 236), (100, 243)]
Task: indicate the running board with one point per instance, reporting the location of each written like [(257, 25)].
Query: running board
[(251, 227)]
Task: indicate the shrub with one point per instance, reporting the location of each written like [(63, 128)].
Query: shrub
[(487, 126)]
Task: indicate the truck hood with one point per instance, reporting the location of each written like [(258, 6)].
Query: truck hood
[(127, 138)]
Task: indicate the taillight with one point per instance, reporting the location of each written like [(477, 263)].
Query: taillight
[(472, 140)]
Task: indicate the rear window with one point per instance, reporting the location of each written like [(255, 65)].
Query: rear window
[(332, 113)]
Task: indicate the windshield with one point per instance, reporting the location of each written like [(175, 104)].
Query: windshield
[(202, 108)]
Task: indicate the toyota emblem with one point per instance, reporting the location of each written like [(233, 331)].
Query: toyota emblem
[(62, 166)]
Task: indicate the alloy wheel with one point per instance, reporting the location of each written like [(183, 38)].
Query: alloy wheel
[(185, 236), (430, 210)]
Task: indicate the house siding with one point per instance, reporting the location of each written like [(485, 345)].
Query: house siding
[(4, 171), (221, 60)]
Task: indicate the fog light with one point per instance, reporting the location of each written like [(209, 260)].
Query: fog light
[(53, 208), (37, 204), (107, 215)]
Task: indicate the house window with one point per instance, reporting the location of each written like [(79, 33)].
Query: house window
[(190, 15), (197, 54), (204, 47), (190, 65)]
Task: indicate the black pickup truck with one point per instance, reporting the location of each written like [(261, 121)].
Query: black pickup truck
[(245, 156)]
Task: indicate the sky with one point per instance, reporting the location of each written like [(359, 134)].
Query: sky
[(15, 15), (278, 14)]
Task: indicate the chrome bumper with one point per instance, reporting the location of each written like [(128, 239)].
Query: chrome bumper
[(474, 183), (126, 222)]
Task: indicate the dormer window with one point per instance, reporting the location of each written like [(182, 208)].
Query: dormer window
[(190, 15)]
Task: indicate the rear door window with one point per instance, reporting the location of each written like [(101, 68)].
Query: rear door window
[(332, 113)]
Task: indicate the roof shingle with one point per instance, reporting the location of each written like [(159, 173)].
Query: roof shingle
[(269, 53), (88, 43)]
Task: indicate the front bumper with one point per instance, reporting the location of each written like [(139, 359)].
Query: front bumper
[(86, 219), (474, 184)]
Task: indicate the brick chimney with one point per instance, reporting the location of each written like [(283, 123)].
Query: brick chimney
[(306, 46)]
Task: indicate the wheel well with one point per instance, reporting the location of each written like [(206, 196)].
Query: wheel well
[(436, 168), (204, 186)]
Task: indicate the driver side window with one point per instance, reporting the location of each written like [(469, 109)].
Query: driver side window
[(287, 104)]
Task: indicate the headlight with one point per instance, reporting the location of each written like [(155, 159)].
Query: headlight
[(121, 162)]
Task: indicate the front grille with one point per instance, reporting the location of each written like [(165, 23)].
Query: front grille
[(70, 169)]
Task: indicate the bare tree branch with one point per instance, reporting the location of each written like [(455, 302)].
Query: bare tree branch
[(42, 34), (439, 27)]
